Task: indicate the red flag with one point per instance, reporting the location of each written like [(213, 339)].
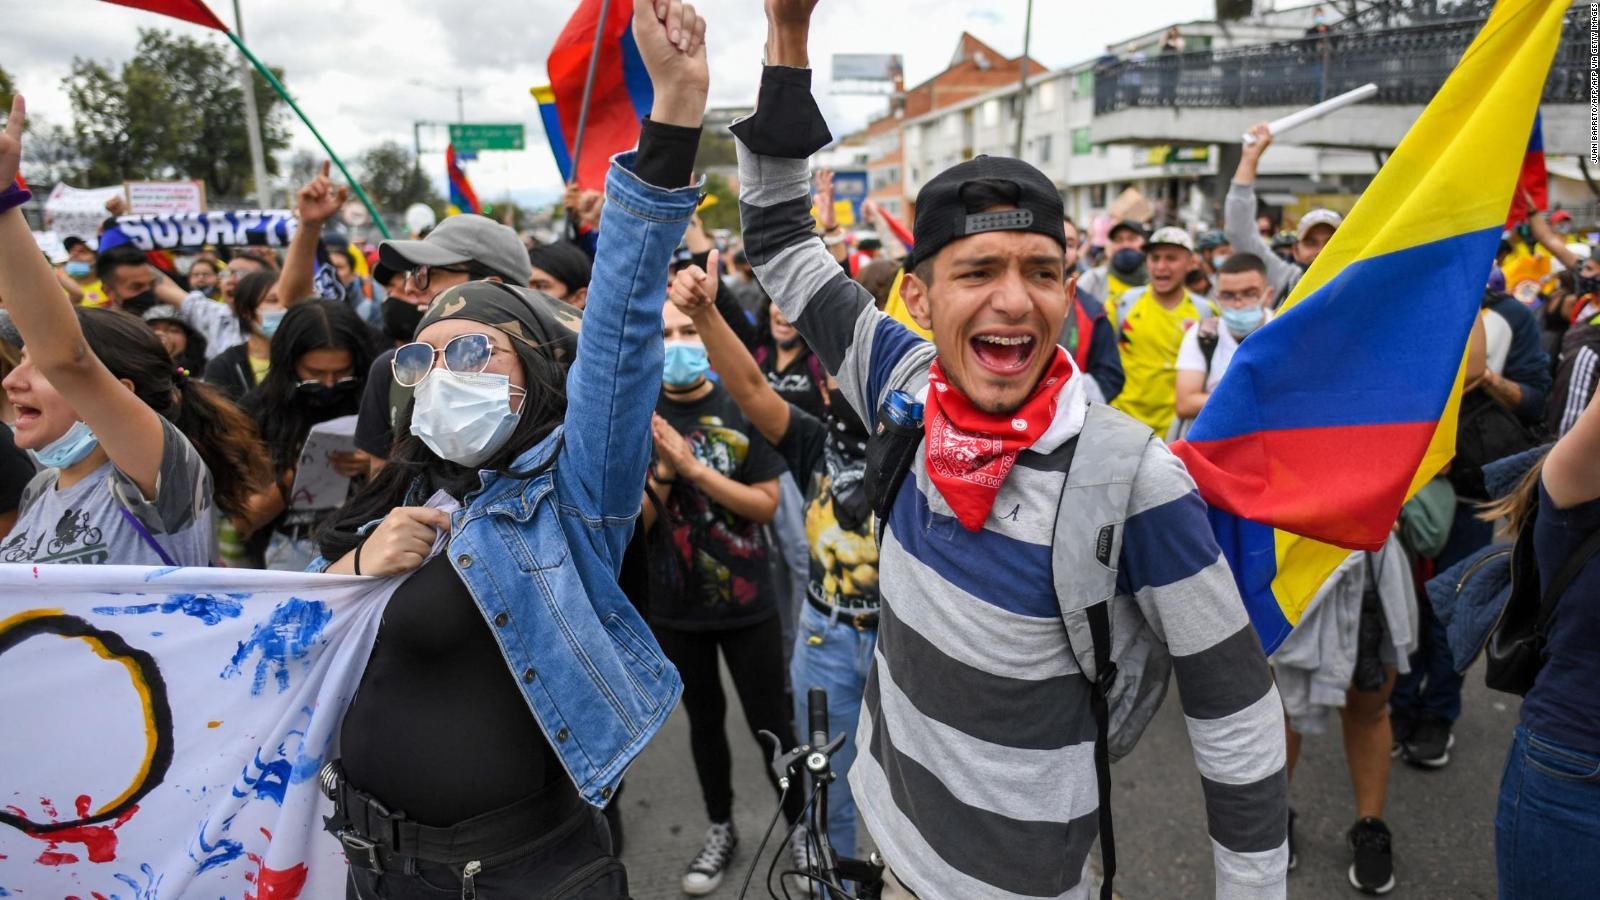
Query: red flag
[(622, 91), (188, 10)]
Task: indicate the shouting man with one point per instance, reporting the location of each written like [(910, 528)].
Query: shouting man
[(977, 774)]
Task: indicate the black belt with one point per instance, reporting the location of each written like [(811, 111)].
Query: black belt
[(373, 836), (862, 620)]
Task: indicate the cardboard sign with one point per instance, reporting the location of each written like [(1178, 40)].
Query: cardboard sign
[(316, 484)]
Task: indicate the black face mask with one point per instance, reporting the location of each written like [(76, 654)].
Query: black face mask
[(1587, 285), (138, 303), (1127, 260), (400, 319), (321, 396)]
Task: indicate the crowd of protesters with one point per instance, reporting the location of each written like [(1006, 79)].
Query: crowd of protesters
[(683, 425)]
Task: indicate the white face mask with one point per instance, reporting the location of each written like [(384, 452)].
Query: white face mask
[(464, 418)]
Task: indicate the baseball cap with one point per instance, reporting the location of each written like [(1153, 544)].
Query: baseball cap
[(1317, 217), (1173, 235), (1211, 240), (1131, 225), (464, 238), (943, 216)]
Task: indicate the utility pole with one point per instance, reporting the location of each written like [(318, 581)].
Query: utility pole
[(1022, 88), (258, 158)]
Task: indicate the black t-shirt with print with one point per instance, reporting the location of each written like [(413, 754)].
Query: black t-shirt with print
[(724, 561), (801, 382)]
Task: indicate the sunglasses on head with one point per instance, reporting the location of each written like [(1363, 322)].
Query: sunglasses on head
[(465, 354)]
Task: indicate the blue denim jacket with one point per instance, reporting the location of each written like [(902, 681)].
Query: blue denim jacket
[(541, 556)]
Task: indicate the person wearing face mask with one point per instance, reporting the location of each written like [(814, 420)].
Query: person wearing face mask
[(1244, 301), (77, 274), (237, 370), (1124, 267), (838, 623), (512, 682), (203, 276), (135, 457), (462, 248), (718, 479), (319, 356)]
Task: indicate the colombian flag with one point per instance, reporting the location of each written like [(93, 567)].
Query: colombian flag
[(622, 92), (545, 96), (1344, 405), (1533, 179), (462, 196)]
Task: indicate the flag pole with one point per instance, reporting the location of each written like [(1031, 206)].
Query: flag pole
[(588, 85), (284, 93), (258, 160)]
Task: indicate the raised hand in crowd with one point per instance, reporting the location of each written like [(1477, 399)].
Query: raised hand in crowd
[(822, 197), (692, 290), (317, 201), (1250, 154), (788, 30), (320, 199), (672, 43)]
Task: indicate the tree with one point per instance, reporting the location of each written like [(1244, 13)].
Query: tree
[(391, 176), (7, 91), (725, 212), (173, 111)]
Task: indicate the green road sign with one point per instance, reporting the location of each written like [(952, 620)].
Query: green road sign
[(492, 136)]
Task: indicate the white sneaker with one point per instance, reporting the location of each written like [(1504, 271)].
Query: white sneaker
[(705, 872)]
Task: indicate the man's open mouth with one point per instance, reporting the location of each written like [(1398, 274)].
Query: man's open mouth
[(1004, 354)]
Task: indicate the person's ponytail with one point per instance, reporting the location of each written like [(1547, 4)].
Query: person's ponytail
[(226, 439)]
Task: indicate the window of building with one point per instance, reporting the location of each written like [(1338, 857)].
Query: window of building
[(1046, 93), (1080, 142), (914, 136), (1083, 86), (991, 113), (952, 125), (1044, 149)]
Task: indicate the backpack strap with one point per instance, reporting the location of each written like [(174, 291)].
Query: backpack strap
[(1085, 552)]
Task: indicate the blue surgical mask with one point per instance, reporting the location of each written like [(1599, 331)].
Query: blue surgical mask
[(1217, 259), (1243, 321), (684, 365), (77, 268), (69, 449), (270, 320)]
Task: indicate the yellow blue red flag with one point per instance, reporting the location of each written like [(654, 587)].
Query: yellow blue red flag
[(1331, 416)]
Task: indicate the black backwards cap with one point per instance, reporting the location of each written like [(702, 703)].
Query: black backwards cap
[(944, 216)]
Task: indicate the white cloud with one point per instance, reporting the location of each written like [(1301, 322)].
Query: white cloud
[(365, 70)]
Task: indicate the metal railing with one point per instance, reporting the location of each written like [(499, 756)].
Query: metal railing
[(1408, 65)]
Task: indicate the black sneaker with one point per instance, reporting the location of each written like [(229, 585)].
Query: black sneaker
[(1429, 744), (1372, 872), (1294, 858), (1400, 726), (705, 872)]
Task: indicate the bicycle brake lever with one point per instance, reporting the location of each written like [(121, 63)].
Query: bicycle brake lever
[(781, 763)]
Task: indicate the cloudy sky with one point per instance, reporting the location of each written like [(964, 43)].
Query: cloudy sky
[(365, 70)]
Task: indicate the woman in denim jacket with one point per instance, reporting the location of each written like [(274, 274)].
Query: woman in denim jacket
[(512, 682)]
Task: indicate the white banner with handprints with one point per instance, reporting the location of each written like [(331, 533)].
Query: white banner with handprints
[(164, 728)]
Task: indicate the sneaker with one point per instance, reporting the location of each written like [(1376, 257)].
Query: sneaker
[(705, 872), (1429, 744), (1294, 858), (1372, 872), (1400, 726)]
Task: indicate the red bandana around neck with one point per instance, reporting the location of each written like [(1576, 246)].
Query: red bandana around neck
[(970, 452)]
